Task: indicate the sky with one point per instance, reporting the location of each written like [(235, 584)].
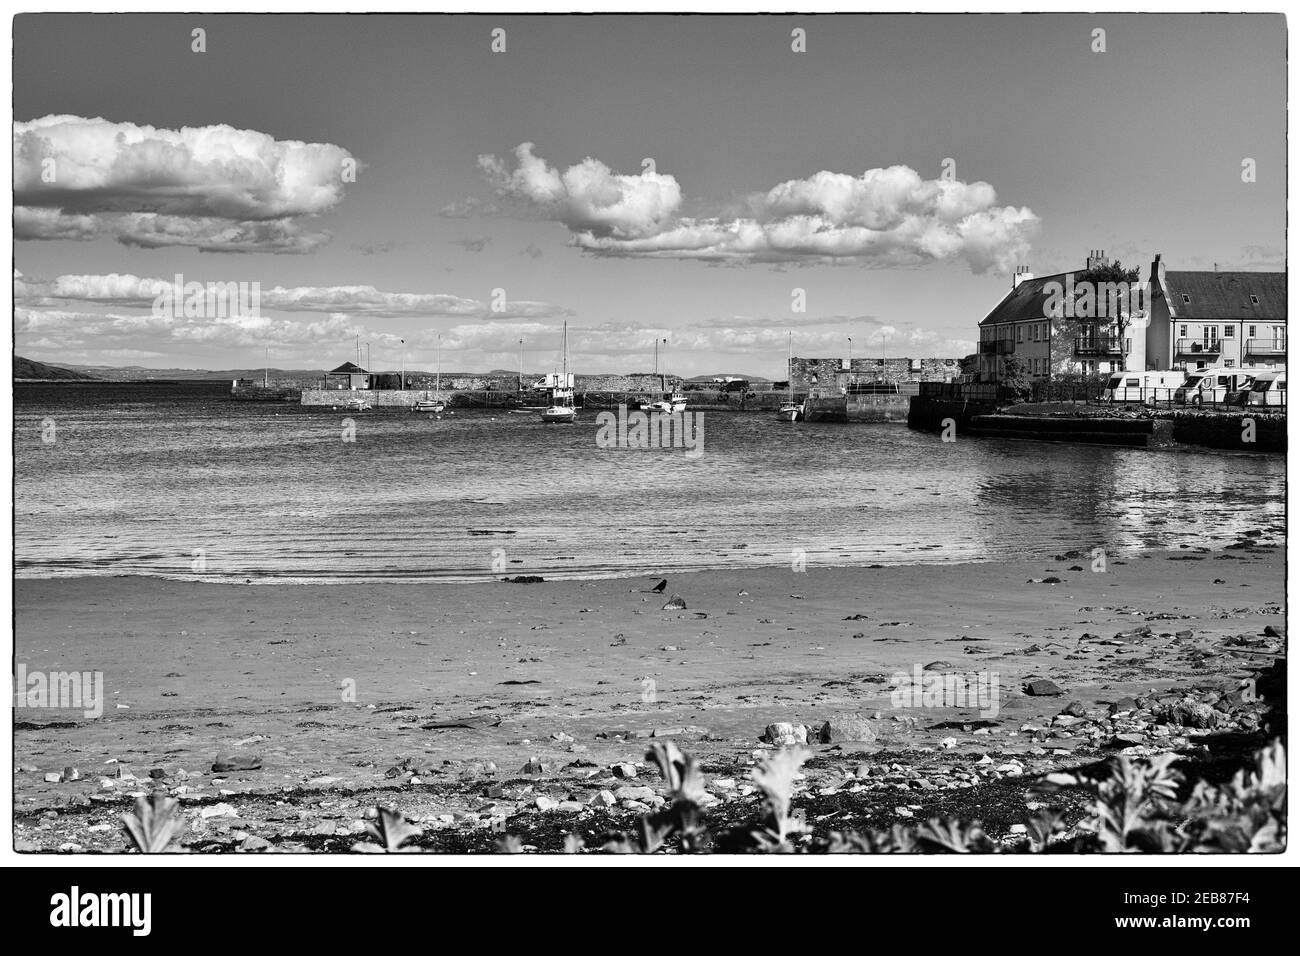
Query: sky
[(688, 180)]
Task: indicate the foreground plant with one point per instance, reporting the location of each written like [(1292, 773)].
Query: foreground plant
[(388, 831), (154, 823), (680, 817)]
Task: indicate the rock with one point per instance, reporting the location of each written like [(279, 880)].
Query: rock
[(1074, 709), (785, 734), (675, 603), (850, 727), (1123, 705), (1188, 712), (1126, 740), (217, 810), (604, 798), (54, 777), (1272, 630), (639, 794), (624, 771), (535, 766), (225, 763), (545, 803), (254, 844), (1042, 688)]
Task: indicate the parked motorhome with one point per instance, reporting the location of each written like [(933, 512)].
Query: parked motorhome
[(1207, 386), (1142, 386), (1268, 388)]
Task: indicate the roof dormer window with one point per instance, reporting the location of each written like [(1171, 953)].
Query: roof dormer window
[(1187, 299), (1254, 300)]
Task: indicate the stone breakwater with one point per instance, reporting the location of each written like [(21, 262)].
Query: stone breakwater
[(1243, 430)]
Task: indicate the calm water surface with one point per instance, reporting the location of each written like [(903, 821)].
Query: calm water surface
[(140, 478)]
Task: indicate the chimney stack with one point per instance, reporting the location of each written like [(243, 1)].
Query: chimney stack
[(1097, 259), (1022, 274)]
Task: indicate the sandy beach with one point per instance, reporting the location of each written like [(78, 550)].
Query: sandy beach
[(337, 691)]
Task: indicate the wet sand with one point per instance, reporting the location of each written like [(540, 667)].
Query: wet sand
[(336, 688)]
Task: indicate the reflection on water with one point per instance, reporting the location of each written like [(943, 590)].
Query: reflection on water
[(160, 480)]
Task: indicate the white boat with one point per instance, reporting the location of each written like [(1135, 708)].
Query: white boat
[(356, 405), (559, 406), (790, 411), (674, 403), (433, 405), (667, 404)]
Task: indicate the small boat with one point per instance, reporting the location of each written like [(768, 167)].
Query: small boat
[(790, 411), (559, 414), (666, 404), (433, 405), (559, 407), (356, 405), (673, 403)]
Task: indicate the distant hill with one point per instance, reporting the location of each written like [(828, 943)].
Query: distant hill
[(710, 378), (28, 369)]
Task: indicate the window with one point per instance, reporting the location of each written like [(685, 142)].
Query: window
[(1182, 331), (1131, 382), (1229, 363), (1254, 300), (1020, 333), (1250, 332), (1229, 331), (1187, 299)]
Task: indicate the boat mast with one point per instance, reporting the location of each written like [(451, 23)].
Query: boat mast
[(437, 369), (789, 370), (266, 370)]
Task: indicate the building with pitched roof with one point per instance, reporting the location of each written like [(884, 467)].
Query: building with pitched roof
[(1175, 320), (1040, 324), (1204, 319), (349, 375)]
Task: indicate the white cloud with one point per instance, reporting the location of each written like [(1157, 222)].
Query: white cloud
[(885, 217), (589, 197), (352, 300), (215, 188)]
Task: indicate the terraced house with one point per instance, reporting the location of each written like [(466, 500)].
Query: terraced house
[(1050, 329), (1177, 320), (1204, 319)]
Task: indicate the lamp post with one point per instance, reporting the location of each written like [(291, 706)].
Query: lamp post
[(850, 381)]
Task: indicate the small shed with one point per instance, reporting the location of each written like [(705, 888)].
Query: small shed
[(349, 375)]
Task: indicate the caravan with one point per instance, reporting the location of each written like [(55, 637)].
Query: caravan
[(1148, 387)]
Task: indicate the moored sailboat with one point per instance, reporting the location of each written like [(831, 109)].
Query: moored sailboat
[(790, 411), (559, 407)]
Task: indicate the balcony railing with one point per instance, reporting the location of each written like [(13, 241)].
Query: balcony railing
[(1265, 347), (1096, 345), (1197, 347), (997, 347)]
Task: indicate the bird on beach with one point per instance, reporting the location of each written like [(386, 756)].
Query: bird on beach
[(658, 588)]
